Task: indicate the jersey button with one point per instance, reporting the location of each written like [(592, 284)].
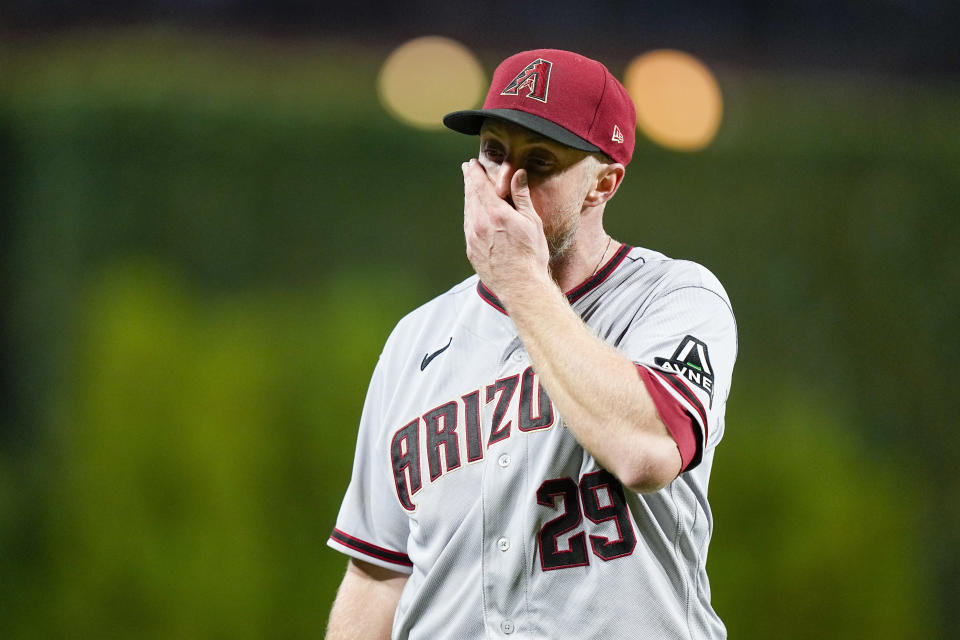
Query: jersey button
[(503, 544), (507, 626), (504, 461), (518, 356)]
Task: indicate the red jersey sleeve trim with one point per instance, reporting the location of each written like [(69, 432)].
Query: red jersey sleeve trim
[(370, 549), (677, 419)]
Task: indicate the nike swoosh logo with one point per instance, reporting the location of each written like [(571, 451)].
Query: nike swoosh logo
[(428, 358)]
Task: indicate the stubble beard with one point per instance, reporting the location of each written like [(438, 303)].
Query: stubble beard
[(561, 233), (561, 236)]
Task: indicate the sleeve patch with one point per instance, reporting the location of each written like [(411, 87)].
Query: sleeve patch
[(691, 361)]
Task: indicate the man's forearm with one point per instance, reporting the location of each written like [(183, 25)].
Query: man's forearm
[(366, 603), (596, 389)]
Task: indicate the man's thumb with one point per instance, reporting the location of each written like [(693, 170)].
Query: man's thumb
[(520, 191)]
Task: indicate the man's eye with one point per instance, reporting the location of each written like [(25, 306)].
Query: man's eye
[(539, 164), (493, 153)]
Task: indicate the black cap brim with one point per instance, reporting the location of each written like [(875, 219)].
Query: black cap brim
[(469, 122)]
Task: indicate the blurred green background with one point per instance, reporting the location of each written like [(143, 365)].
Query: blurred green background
[(206, 240)]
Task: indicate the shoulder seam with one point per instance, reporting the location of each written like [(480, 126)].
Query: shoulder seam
[(726, 303), (705, 288)]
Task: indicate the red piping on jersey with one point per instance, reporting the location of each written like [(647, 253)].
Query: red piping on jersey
[(602, 274), (574, 294), (369, 549)]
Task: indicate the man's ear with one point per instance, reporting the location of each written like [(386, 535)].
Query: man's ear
[(606, 184)]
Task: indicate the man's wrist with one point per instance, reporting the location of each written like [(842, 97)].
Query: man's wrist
[(529, 294)]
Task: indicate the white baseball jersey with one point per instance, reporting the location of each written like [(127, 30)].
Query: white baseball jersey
[(467, 479)]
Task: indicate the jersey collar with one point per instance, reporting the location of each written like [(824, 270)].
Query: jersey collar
[(574, 294)]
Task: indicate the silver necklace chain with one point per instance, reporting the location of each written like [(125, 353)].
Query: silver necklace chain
[(602, 256)]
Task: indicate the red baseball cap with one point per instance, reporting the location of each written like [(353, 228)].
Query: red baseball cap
[(561, 95)]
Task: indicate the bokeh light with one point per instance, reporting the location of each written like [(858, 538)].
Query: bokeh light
[(428, 77), (678, 100)]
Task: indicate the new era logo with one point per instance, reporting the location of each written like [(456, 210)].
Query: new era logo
[(617, 135)]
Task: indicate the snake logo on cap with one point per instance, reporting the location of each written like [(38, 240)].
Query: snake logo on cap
[(535, 77)]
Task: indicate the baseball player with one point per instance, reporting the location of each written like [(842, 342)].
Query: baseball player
[(536, 443)]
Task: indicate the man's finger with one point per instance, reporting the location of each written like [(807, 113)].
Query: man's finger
[(477, 183), (520, 193), (474, 174)]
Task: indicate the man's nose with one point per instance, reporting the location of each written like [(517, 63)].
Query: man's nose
[(502, 179)]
